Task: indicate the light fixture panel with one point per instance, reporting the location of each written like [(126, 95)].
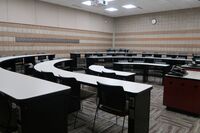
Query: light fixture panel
[(88, 3), (129, 6), (109, 0), (111, 9)]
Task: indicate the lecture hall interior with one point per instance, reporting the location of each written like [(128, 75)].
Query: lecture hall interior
[(99, 66)]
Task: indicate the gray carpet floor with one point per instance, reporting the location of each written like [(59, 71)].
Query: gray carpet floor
[(161, 119)]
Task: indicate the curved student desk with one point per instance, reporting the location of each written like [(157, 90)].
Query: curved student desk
[(139, 106), (76, 56), (42, 103), (171, 61), (144, 66), (125, 75), (11, 61), (49, 66)]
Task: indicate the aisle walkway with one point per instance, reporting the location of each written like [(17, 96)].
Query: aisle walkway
[(161, 120)]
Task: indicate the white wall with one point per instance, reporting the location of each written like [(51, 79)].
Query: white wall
[(41, 13)]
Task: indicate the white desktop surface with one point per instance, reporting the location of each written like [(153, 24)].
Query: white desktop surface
[(100, 69), (142, 63), (193, 75), (140, 57), (167, 58), (21, 87), (20, 56), (128, 86)]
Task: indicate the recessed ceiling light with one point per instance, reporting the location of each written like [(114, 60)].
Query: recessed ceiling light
[(111, 9), (88, 3), (110, 0), (129, 6)]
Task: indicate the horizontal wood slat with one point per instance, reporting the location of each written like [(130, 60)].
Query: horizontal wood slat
[(159, 39), (30, 35), (30, 26), (161, 45), (158, 32), (11, 43)]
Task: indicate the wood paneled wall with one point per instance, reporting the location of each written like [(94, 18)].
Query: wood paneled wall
[(88, 40), (41, 22), (175, 32)]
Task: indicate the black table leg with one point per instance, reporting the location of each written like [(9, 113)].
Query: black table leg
[(139, 110), (145, 74)]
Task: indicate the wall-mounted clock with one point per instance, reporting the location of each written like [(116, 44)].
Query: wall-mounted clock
[(153, 21)]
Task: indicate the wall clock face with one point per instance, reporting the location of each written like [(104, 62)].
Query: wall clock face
[(153, 21)]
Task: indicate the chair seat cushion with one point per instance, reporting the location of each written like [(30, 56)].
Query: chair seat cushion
[(114, 111)]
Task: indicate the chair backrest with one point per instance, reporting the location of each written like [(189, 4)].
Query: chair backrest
[(157, 55), (88, 55), (74, 104), (146, 55), (49, 76), (112, 97), (51, 57), (41, 57), (171, 56), (108, 74), (29, 60), (91, 72), (182, 56), (73, 83)]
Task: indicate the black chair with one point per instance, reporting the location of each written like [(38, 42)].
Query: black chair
[(131, 54), (49, 76), (88, 55), (51, 57), (28, 69), (157, 55), (111, 99), (182, 56), (108, 74), (91, 72), (41, 58), (146, 55), (115, 76), (37, 74), (98, 54), (77, 95), (171, 56), (112, 75), (8, 116), (74, 104)]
